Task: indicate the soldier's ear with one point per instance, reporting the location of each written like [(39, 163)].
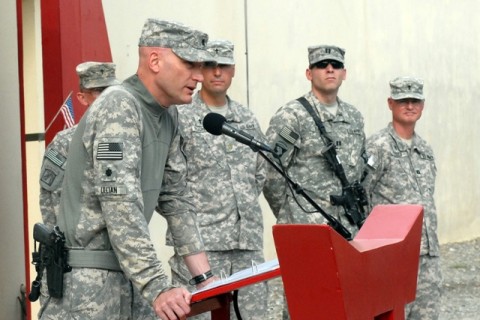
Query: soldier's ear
[(81, 98), (390, 102), (308, 74)]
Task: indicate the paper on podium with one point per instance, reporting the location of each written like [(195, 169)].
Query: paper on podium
[(255, 270)]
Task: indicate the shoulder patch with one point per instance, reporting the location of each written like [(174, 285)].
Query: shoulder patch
[(56, 158), (288, 134), (110, 151), (48, 177)]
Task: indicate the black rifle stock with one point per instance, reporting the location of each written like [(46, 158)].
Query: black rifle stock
[(53, 256)]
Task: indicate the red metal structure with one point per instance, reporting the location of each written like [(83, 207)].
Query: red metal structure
[(73, 31)]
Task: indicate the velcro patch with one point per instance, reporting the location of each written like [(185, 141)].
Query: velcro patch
[(289, 135), (55, 157), (113, 190), (110, 151), (48, 176)]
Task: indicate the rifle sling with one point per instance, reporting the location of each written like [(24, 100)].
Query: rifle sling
[(99, 259), (321, 128)]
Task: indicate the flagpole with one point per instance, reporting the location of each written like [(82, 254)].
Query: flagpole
[(58, 112)]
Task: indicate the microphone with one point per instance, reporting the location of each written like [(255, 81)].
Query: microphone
[(216, 124)]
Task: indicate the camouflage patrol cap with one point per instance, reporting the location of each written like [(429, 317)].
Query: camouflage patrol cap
[(221, 51), (406, 87), (187, 43), (96, 74), (325, 52)]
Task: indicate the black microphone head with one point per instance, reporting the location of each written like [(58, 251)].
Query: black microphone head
[(213, 123)]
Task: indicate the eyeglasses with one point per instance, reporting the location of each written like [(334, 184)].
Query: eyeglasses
[(324, 64)]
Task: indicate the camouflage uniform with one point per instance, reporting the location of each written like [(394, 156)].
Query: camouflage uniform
[(51, 176), (405, 174), (293, 127), (124, 154), (225, 178), (92, 75)]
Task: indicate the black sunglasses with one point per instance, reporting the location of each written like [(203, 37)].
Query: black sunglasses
[(324, 63), (211, 64)]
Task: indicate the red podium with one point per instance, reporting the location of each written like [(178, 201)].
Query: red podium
[(370, 277)]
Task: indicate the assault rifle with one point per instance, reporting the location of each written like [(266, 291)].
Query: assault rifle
[(51, 255), (353, 198)]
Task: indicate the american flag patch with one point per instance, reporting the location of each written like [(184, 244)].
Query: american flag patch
[(55, 157), (110, 151), (289, 135)]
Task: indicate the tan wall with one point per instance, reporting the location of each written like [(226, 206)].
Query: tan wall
[(435, 40)]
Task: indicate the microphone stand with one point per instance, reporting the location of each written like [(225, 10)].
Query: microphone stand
[(332, 222)]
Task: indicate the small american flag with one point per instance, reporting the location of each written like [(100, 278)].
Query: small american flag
[(110, 151), (67, 112)]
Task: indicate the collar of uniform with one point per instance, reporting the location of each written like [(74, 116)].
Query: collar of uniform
[(141, 93), (402, 146), (324, 114), (231, 115)]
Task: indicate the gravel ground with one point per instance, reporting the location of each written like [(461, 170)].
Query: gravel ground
[(461, 280), (461, 274)]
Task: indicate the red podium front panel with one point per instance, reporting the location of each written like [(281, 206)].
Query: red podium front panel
[(370, 277)]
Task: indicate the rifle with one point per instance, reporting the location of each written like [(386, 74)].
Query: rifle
[(353, 198), (51, 255)]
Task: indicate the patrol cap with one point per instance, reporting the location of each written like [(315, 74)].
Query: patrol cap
[(325, 52), (187, 43), (406, 87), (96, 74), (221, 51)]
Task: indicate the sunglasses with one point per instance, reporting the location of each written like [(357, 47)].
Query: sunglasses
[(211, 65), (324, 64)]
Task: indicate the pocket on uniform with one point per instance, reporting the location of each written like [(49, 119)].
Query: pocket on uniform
[(91, 290)]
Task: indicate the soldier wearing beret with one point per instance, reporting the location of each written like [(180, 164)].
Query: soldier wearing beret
[(119, 169), (225, 179), (296, 138), (402, 171), (94, 77)]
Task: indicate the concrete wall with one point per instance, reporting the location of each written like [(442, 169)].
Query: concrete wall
[(434, 40)]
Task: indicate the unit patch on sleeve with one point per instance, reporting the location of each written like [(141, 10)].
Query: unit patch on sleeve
[(110, 151), (48, 177)]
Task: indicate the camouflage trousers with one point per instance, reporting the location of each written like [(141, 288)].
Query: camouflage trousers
[(428, 296), (97, 295), (252, 300)]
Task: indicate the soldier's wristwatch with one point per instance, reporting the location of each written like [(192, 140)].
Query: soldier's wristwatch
[(200, 278)]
